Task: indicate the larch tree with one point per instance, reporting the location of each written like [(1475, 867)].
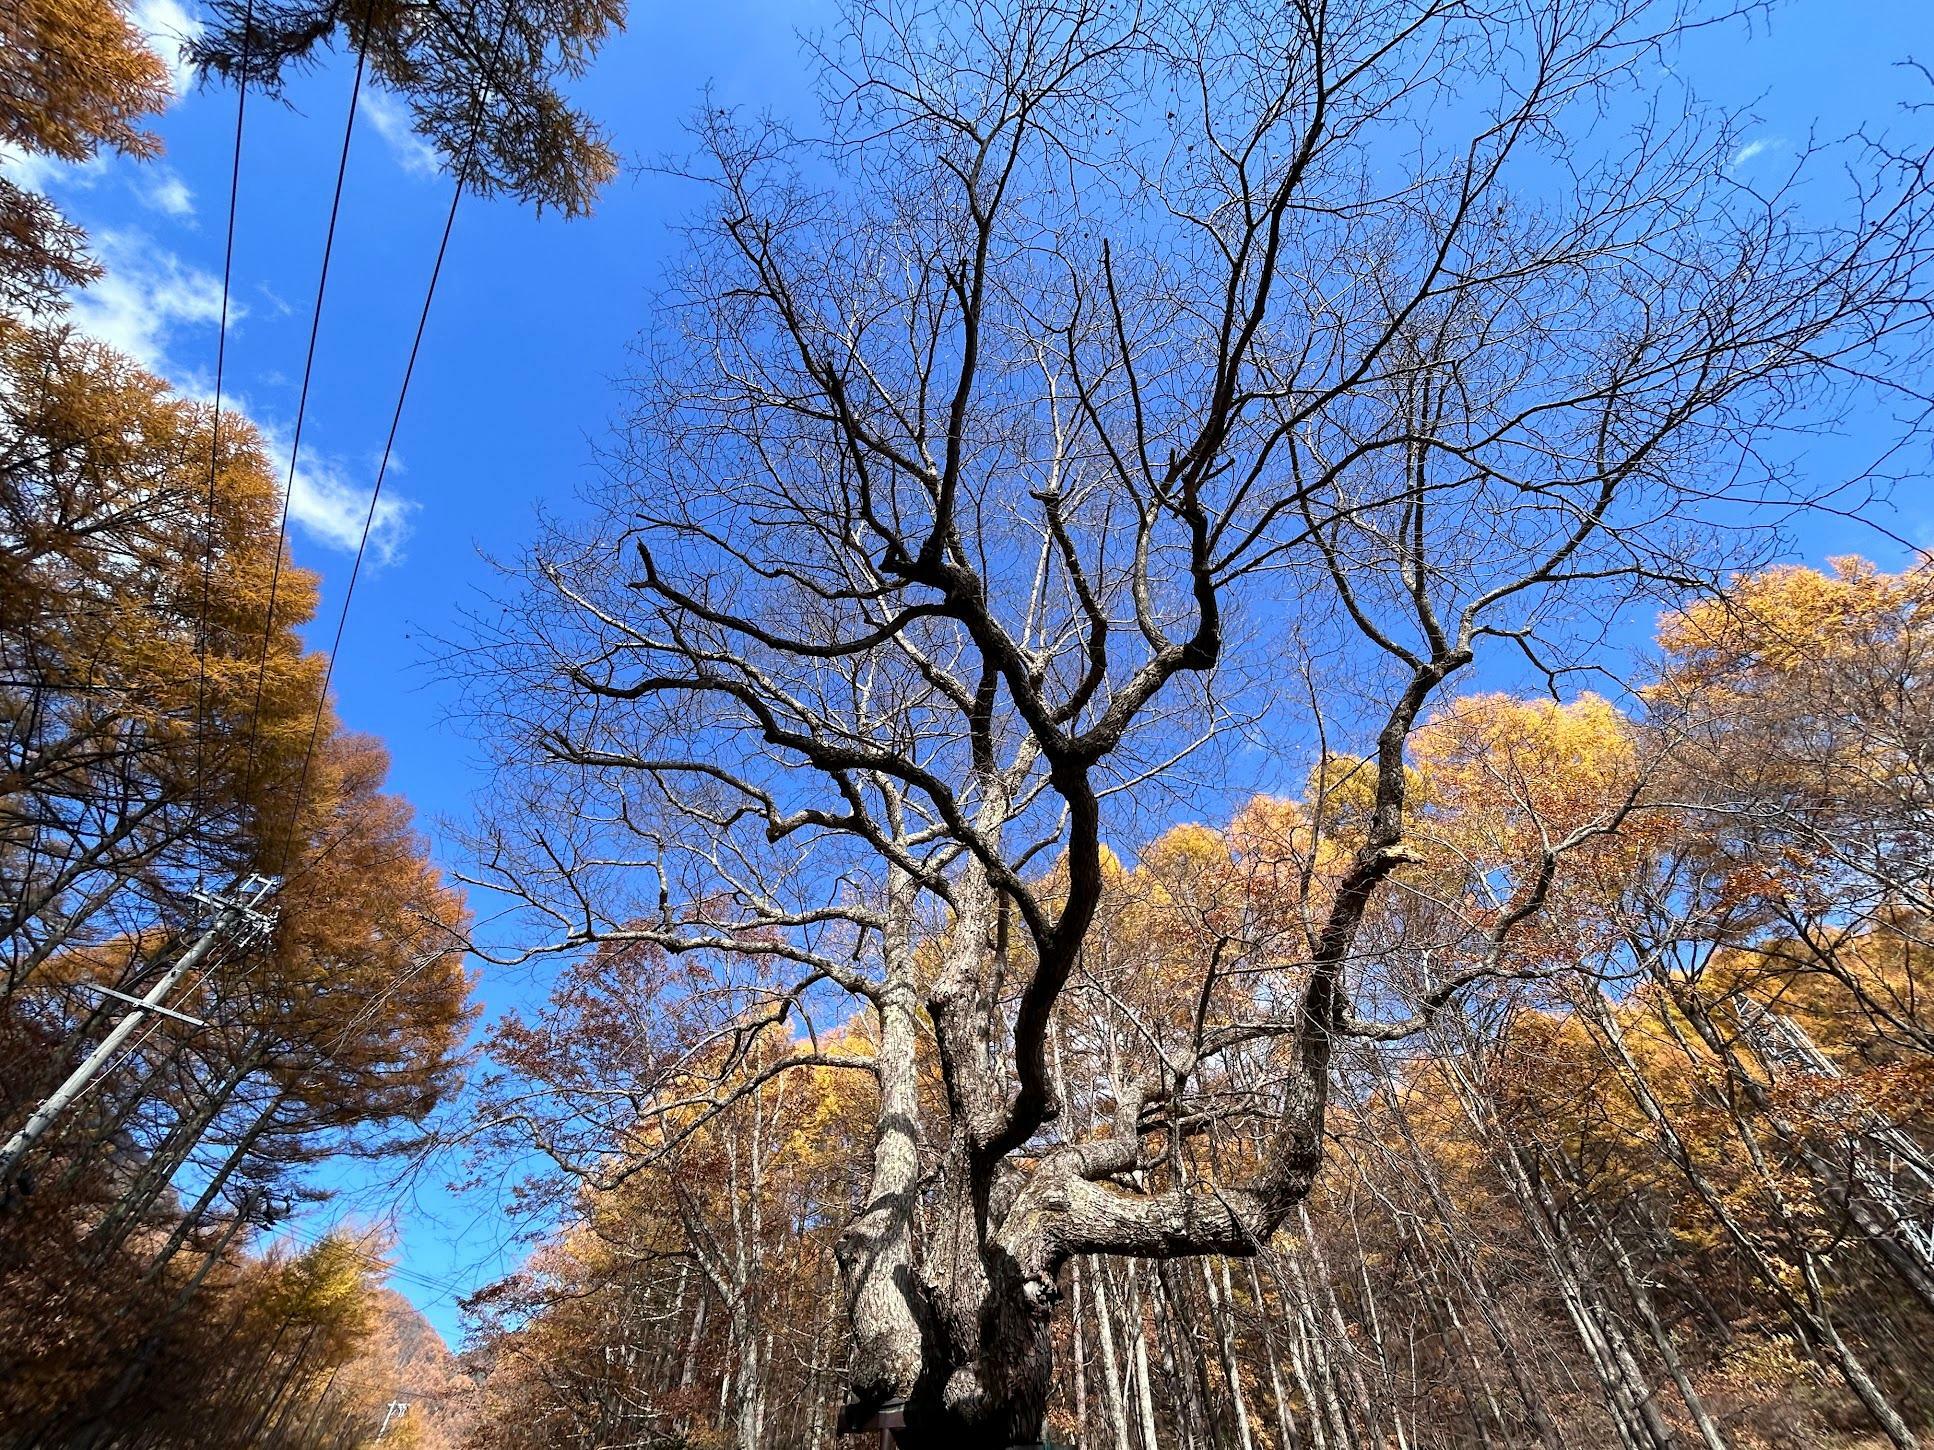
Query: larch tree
[(155, 715), (163, 729), (1096, 380), (75, 77), (700, 1287), (1805, 746), (158, 731), (482, 81)]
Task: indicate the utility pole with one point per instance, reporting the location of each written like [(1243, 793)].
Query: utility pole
[(236, 912)]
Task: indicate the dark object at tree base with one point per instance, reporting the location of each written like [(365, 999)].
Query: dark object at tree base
[(890, 1418), (887, 1417)]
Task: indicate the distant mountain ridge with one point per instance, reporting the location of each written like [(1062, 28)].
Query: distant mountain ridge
[(426, 1376)]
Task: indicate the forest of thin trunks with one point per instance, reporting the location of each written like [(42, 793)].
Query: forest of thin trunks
[(1673, 1219), (1668, 1182)]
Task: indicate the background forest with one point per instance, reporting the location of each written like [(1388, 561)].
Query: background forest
[(1670, 1188), (1175, 788)]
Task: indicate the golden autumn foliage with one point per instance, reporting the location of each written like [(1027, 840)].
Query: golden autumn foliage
[(164, 736), (75, 77), (1653, 1171), (163, 731), (692, 1210), (289, 1347), (1796, 704), (160, 711), (1794, 623), (79, 76)]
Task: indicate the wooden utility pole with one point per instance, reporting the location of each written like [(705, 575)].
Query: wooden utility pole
[(237, 913)]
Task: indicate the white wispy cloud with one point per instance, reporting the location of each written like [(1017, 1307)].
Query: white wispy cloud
[(162, 312), (1760, 146), (168, 25), (167, 193), (154, 185), (330, 501), (392, 121), (33, 171), (28, 170), (147, 300)]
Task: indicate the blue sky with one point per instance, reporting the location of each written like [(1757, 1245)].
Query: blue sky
[(529, 335)]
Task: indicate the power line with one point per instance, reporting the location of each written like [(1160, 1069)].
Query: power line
[(115, 1038), (215, 446), (302, 404), (396, 420), (220, 958), (451, 1287), (416, 344)]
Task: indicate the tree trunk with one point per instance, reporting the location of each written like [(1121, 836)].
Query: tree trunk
[(1809, 1316), (1287, 1438), (1222, 1315), (875, 1253), (1111, 1375)]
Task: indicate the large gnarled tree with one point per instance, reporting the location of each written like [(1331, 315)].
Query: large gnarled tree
[(1103, 379)]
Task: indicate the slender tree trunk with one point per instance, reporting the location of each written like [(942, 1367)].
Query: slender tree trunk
[(1182, 1361), (1641, 1298), (236, 1157), (688, 1369), (875, 1253), (1338, 1326), (1079, 1346), (1222, 1317), (1144, 1382), (1312, 1358), (1835, 1181), (1810, 1317), (1111, 1370)]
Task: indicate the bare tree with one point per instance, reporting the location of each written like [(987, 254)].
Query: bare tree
[(1095, 373)]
